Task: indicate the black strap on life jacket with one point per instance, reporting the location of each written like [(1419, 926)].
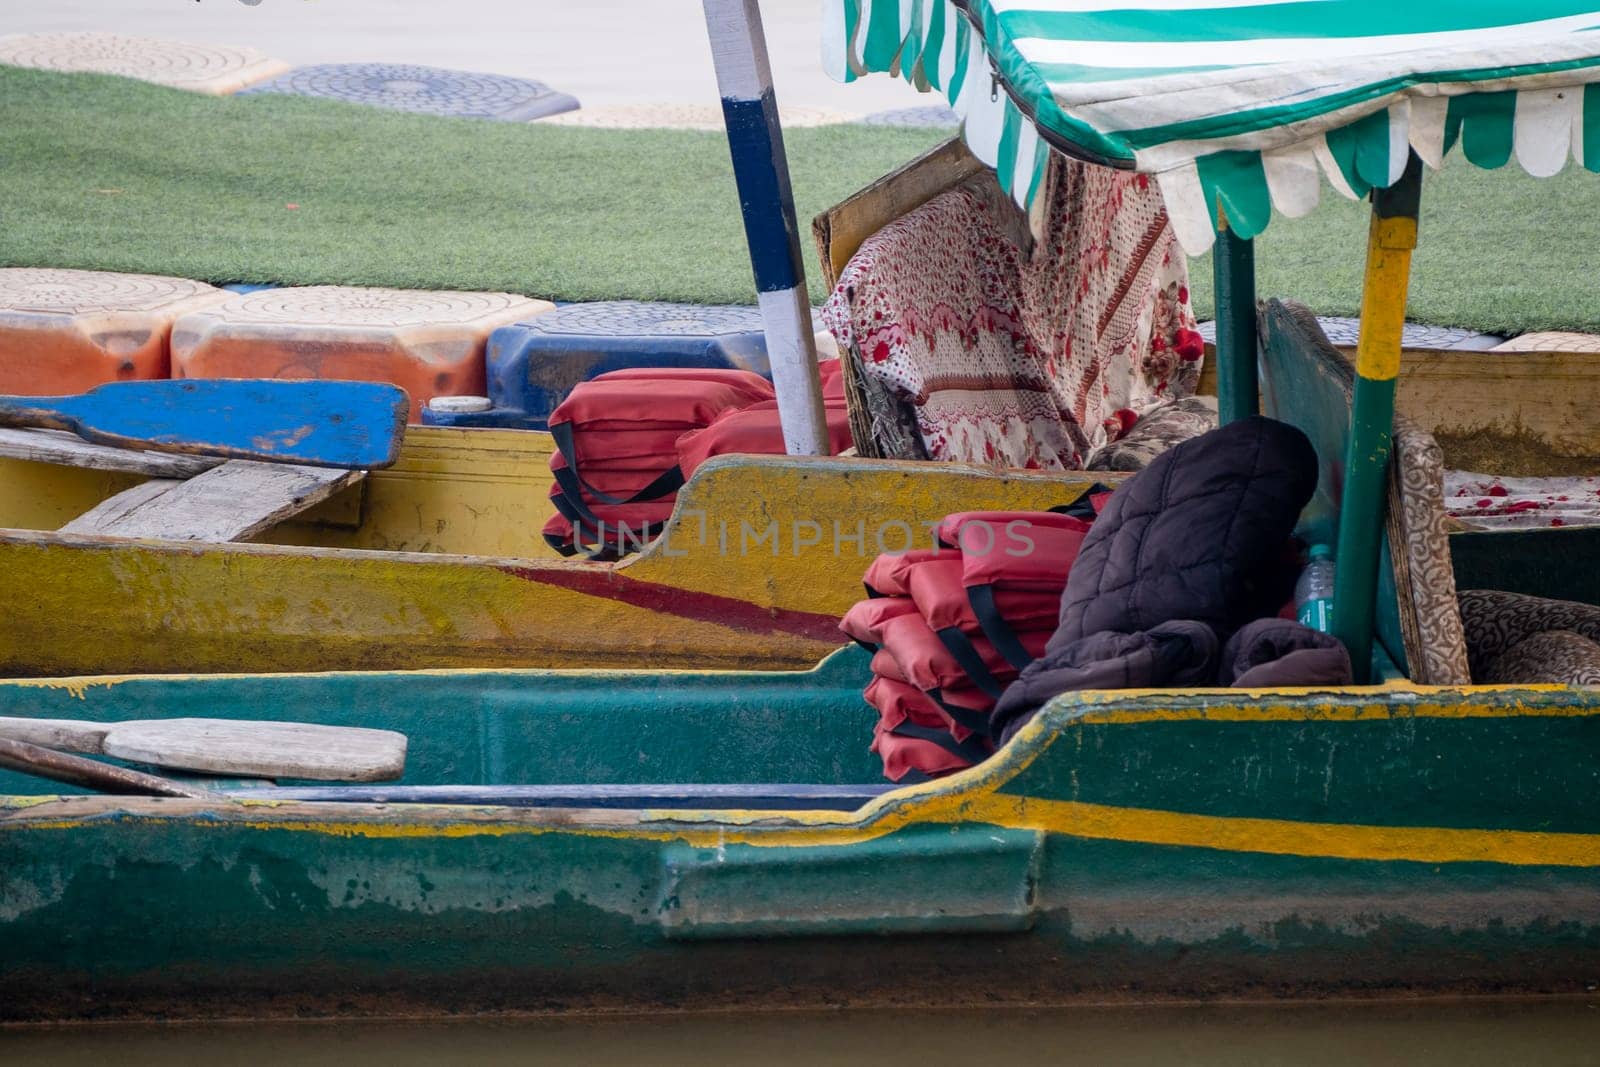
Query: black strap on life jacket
[(995, 627), (969, 660), (1083, 507), (972, 749), (582, 529), (574, 485), (975, 721)]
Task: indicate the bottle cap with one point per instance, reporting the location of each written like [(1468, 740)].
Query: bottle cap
[(1319, 552)]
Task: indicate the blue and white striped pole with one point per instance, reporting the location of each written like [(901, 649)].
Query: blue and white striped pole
[(755, 139)]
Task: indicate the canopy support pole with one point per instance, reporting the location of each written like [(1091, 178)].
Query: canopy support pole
[(761, 170), (1390, 239), (1233, 269)]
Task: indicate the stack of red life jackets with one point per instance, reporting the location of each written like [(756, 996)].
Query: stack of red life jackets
[(951, 626), (627, 441)]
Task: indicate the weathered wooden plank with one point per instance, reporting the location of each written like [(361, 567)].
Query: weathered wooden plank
[(229, 503), (104, 518), (56, 446), (241, 748), (840, 230)]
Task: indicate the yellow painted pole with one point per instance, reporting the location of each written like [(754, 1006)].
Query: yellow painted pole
[(1390, 240)]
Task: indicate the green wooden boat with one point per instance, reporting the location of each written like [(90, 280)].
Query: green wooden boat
[(605, 840)]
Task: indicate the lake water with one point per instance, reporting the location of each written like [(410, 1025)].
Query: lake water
[(1458, 1033)]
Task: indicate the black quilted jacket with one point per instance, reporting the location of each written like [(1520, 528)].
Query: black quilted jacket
[(1183, 555)]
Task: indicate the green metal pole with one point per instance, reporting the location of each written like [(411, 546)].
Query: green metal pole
[(1233, 268), (1392, 236)]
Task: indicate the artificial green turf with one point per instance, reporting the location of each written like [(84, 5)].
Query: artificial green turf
[(105, 173), (1497, 251)]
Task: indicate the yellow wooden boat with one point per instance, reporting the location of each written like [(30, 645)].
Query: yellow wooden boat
[(438, 561)]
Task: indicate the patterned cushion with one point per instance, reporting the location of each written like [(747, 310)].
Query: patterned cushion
[(1499, 623), (1558, 657), (1155, 432), (1430, 623)]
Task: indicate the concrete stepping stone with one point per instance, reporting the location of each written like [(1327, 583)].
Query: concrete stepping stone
[(1551, 341), (684, 117), (66, 331), (533, 365), (1343, 332), (426, 90), (428, 343), (914, 117), (202, 68)]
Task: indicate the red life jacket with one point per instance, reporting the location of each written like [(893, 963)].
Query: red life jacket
[(863, 623), (616, 466), (1016, 554), (953, 625), (755, 430), (914, 739), (632, 437), (887, 575)]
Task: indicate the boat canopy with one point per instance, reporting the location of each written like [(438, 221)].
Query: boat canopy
[(1238, 105)]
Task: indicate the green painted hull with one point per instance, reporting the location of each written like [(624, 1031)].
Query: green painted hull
[(1133, 844)]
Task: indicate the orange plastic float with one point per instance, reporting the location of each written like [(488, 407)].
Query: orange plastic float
[(67, 331), (428, 343)]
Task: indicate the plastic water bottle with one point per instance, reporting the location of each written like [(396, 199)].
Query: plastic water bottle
[(1313, 593)]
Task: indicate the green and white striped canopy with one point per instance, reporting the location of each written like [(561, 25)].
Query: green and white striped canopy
[(1242, 103)]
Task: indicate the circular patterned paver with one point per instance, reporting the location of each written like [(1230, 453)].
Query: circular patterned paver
[(1551, 341), (425, 90), (621, 318), (1343, 332), (643, 318), (685, 117), (203, 68), (917, 117), (50, 291), (338, 305)]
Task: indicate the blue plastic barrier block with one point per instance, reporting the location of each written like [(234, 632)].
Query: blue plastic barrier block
[(533, 365), (427, 90)]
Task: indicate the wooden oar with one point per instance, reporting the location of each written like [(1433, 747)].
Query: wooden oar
[(88, 773), (321, 424), (232, 747)]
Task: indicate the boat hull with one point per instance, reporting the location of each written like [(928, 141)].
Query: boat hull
[(762, 558), (1133, 845)]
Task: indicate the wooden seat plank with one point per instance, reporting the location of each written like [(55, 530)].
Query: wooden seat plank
[(70, 450), (230, 502)]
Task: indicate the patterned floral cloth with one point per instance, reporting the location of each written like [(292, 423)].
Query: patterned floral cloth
[(1486, 501), (1025, 358)]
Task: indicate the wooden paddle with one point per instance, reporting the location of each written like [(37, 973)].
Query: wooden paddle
[(88, 773), (232, 747), (321, 424)]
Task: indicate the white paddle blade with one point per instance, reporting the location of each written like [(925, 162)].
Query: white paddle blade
[(245, 749)]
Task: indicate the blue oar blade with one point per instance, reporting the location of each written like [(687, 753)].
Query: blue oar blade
[(317, 423)]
